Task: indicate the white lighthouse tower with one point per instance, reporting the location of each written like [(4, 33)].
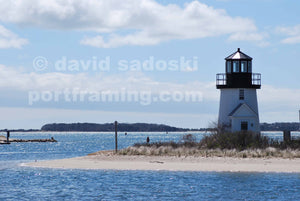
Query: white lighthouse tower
[(238, 101)]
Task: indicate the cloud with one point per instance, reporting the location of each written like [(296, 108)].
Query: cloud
[(24, 81), (269, 96), (36, 117), (190, 69), (9, 39), (27, 89), (114, 40), (278, 104), (284, 96), (259, 38), (195, 20), (292, 34), (131, 81), (117, 23), (284, 102)]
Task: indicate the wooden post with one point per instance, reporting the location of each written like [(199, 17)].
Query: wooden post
[(116, 136), (7, 136), (299, 120), (286, 136)]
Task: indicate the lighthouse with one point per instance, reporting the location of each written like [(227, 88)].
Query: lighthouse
[(238, 100)]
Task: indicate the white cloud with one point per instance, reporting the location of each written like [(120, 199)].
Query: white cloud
[(36, 117), (270, 97), (292, 34), (115, 40), (24, 81), (131, 81), (141, 22), (284, 102), (286, 96), (9, 39), (259, 38), (278, 104), (190, 69)]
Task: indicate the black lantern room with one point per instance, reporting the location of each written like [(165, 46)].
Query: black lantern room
[(238, 68)]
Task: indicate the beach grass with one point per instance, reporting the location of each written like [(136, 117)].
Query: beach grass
[(219, 144)]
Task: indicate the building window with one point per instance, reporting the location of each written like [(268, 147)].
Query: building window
[(242, 94), (244, 125), (228, 66), (249, 66), (236, 67), (244, 66)]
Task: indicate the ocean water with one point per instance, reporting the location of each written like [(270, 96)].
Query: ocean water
[(25, 183)]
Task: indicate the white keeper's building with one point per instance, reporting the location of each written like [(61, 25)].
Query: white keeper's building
[(238, 101)]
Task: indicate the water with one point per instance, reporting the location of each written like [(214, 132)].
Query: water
[(25, 183)]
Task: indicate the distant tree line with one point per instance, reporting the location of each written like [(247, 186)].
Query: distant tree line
[(144, 127), (109, 127), (292, 126)]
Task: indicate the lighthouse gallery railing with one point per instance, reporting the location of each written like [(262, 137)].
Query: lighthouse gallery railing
[(222, 80)]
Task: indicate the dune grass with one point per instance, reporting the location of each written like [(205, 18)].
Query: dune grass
[(220, 144)]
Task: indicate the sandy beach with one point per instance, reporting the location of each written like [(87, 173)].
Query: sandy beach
[(169, 163)]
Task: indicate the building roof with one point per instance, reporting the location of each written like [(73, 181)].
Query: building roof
[(238, 55), (239, 108)]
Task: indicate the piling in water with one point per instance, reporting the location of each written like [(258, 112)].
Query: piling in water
[(116, 136), (286, 136)]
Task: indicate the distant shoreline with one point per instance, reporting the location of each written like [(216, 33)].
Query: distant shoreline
[(119, 132), (106, 160), (142, 127)]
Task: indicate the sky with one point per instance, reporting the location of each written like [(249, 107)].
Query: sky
[(142, 60)]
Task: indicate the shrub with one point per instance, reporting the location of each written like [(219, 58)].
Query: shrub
[(236, 140), (188, 138), (226, 140)]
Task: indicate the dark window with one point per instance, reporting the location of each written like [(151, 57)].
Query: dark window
[(236, 67), (249, 66), (242, 94), (228, 66), (244, 66), (244, 125)]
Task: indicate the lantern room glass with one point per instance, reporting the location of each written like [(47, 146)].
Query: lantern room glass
[(249, 67), (228, 67), (244, 67), (236, 67)]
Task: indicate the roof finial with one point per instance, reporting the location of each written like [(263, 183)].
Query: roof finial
[(238, 50)]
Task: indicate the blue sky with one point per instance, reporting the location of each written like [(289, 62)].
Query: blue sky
[(38, 38)]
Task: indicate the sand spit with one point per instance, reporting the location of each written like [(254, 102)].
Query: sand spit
[(3, 140), (109, 161)]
